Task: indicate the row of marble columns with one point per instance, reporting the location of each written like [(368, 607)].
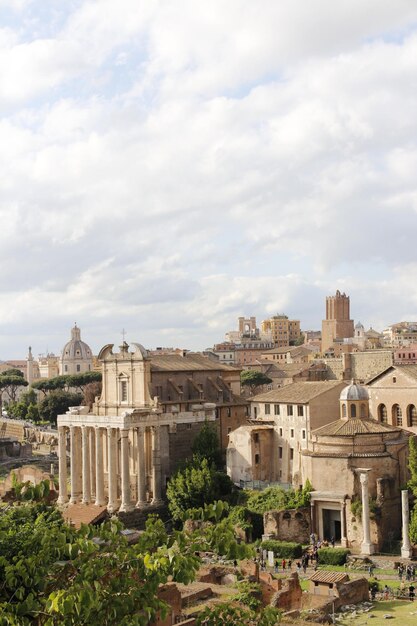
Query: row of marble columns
[(87, 472)]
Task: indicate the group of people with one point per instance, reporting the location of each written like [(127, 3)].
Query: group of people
[(406, 571)]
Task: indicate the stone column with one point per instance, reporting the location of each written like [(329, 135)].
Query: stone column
[(141, 469), (86, 465), (126, 504), (75, 464), (366, 547), (343, 538), (406, 549), (62, 451), (156, 467), (111, 464), (99, 467), (92, 461)]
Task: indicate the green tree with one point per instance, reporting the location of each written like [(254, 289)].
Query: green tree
[(57, 403), (50, 384), (80, 381), (196, 485), (412, 484), (254, 379), (10, 381), (20, 409), (206, 445), (52, 574)]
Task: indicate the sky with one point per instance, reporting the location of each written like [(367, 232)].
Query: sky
[(167, 166)]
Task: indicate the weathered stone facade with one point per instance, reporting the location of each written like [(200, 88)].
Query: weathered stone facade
[(358, 365), (338, 456), (289, 525)]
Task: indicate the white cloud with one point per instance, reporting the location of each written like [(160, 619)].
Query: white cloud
[(169, 167)]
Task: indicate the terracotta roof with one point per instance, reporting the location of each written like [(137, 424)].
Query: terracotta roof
[(329, 577), (292, 349), (354, 426), (77, 514), (298, 392), (174, 363)]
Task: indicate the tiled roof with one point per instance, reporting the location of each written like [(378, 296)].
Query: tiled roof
[(298, 392), (354, 426), (329, 577), (294, 350), (195, 362), (409, 370)]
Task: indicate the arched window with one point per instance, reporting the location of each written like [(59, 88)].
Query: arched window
[(363, 410), (383, 414), (353, 410), (411, 415), (397, 415), (343, 410), (257, 459)]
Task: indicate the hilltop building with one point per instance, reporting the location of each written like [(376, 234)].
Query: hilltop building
[(281, 330), (337, 325), (76, 357)]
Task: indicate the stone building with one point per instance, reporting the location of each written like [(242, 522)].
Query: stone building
[(290, 414), (294, 354), (143, 425), (361, 366), (337, 324), (76, 357), (357, 467), (281, 330), (393, 396), (400, 335)]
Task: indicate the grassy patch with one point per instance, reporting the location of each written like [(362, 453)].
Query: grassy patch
[(401, 610)]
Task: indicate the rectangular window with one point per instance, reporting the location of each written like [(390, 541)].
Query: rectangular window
[(123, 391), (280, 452), (292, 433), (78, 367), (289, 409), (291, 454), (300, 410), (280, 432), (276, 409), (267, 409), (304, 434)]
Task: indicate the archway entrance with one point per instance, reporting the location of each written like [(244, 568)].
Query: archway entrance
[(331, 524)]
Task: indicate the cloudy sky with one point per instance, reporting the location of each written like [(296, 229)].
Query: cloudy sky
[(166, 166)]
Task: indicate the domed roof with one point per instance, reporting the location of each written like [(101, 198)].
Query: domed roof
[(354, 392), (76, 349), (359, 325)]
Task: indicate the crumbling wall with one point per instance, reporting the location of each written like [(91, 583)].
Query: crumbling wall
[(289, 525), (289, 594)]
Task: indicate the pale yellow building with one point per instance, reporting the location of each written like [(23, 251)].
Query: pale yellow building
[(291, 412), (281, 330)]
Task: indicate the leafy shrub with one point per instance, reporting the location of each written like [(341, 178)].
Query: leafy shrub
[(283, 549), (333, 556), (247, 520), (277, 499)]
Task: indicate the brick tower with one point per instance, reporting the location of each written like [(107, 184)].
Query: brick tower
[(337, 324)]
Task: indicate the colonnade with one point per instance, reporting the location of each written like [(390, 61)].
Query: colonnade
[(110, 466)]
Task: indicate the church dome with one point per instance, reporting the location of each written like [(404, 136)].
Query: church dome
[(359, 326), (76, 357), (354, 392), (76, 349)]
